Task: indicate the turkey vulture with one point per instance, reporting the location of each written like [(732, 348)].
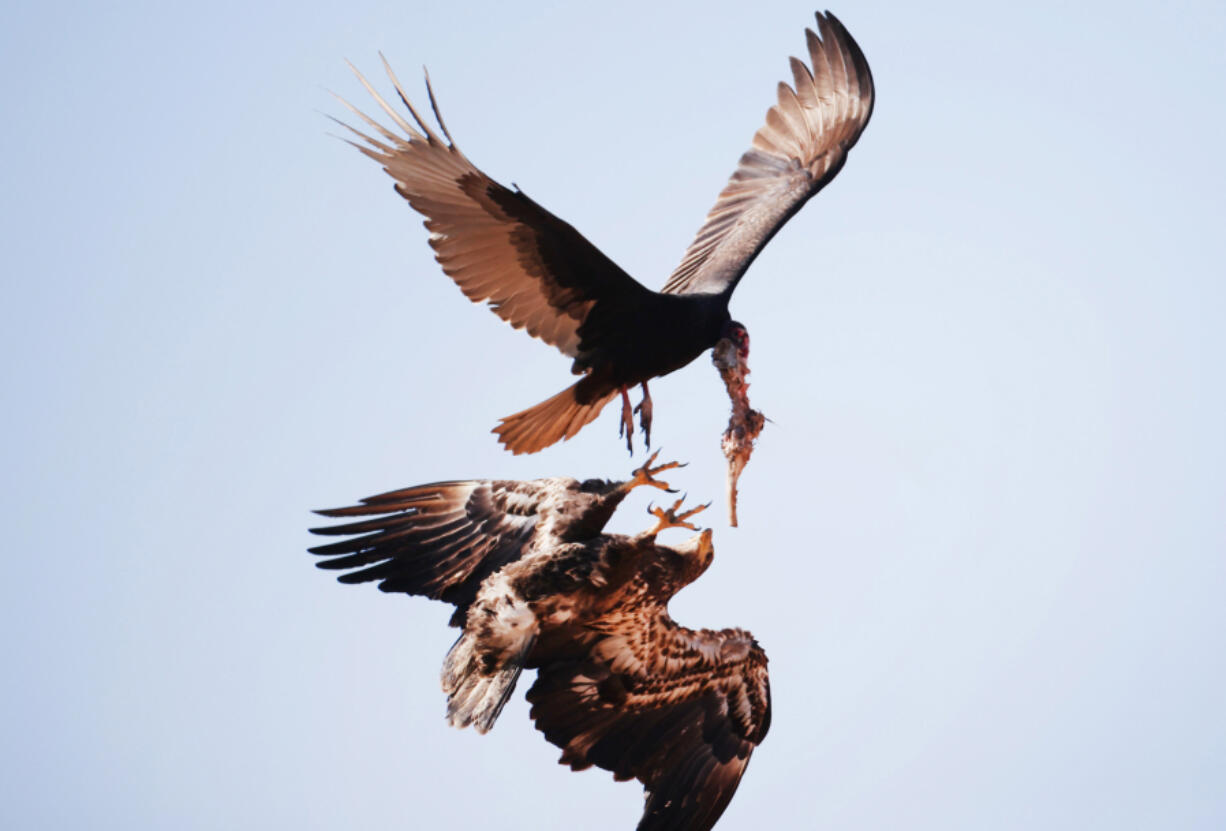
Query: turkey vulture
[(538, 273), (537, 585)]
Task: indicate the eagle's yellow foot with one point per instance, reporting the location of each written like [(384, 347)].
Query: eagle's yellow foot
[(645, 475), (669, 518)]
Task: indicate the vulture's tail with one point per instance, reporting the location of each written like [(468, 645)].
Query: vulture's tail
[(554, 419)]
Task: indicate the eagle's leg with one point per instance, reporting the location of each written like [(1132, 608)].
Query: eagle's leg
[(669, 518), (645, 475), (644, 411), (626, 428)]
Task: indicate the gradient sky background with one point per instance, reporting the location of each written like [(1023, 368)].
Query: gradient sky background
[(984, 542)]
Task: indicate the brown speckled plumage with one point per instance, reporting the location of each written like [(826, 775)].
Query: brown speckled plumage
[(538, 585)]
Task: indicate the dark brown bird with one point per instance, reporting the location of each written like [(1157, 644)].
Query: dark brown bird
[(538, 273), (536, 585)]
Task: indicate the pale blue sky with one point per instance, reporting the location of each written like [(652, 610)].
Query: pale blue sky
[(983, 542)]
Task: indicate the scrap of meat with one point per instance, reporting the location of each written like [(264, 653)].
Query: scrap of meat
[(745, 423)]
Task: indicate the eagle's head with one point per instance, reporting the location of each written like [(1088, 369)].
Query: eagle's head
[(696, 555)]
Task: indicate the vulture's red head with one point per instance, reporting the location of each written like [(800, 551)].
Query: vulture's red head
[(739, 335)]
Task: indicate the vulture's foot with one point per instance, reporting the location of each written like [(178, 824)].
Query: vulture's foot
[(645, 475), (644, 411), (626, 428), (669, 518)]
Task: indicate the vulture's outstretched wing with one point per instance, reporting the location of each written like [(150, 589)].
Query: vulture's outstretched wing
[(535, 271), (802, 146), (439, 540), (679, 710)]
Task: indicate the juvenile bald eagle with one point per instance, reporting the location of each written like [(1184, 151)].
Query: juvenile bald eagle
[(537, 585), (538, 273)]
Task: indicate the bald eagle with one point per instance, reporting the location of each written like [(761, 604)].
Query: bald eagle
[(538, 273), (538, 585)]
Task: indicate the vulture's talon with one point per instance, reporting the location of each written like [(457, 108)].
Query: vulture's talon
[(626, 428), (644, 409)]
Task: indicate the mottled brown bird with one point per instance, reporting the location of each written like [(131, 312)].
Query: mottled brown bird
[(537, 585), (539, 274)]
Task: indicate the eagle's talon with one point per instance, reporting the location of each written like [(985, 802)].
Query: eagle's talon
[(645, 475), (669, 518)]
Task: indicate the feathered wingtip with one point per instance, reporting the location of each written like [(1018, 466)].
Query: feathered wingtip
[(422, 132), (418, 540)]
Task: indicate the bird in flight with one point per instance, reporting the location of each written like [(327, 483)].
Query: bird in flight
[(538, 273), (538, 585)]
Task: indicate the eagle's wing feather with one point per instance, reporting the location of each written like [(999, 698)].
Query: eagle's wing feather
[(679, 710), (439, 540), (802, 146), (535, 271)]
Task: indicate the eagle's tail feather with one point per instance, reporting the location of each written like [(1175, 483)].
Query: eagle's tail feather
[(554, 419), (480, 699), (482, 667)]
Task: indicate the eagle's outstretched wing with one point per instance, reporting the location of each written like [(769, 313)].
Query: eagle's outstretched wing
[(802, 146), (439, 540), (679, 710), (535, 271)]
